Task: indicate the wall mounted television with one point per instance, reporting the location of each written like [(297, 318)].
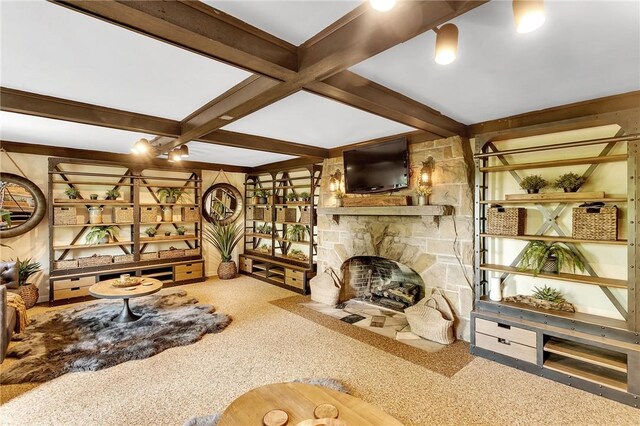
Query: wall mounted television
[(381, 167)]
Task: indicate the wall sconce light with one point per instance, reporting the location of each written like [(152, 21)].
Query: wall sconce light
[(143, 146), (174, 155), (335, 181), (528, 14), (426, 172), (446, 44)]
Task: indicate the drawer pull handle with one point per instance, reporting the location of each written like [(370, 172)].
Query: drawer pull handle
[(74, 279), (504, 341), (75, 289), (507, 326), (190, 272)]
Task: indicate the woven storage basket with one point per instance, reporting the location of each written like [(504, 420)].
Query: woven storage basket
[(325, 288), (190, 214), (258, 213), (64, 216), (171, 253), (122, 214), (192, 252), (284, 214), (305, 215), (153, 255), (595, 223), (65, 264), (123, 258), (501, 221), (432, 318), (148, 214), (95, 260)]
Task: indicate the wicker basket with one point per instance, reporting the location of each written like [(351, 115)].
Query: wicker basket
[(122, 215), (190, 214), (432, 318), (29, 294), (153, 255), (171, 253), (64, 216), (95, 260), (325, 289), (65, 264), (123, 258), (148, 214), (192, 252), (305, 215), (284, 214), (595, 223), (501, 221), (258, 213)]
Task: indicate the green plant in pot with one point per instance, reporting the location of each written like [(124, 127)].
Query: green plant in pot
[(296, 232), (533, 184), (264, 248), (549, 294), (171, 195), (28, 291), (260, 196), (101, 234), (181, 230), (265, 228), (292, 197), (151, 232), (112, 194), (72, 193), (224, 238), (539, 257), (93, 196), (339, 195), (298, 255), (304, 197), (569, 182)]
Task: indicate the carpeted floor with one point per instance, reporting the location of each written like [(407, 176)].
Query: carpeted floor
[(265, 344)]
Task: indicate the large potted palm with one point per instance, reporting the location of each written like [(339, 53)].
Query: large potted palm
[(28, 291), (224, 238)]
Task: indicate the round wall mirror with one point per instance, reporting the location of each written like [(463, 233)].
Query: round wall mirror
[(22, 205), (222, 203)]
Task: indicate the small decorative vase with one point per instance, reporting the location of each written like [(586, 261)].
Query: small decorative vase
[(29, 294), (93, 196), (72, 197), (533, 191), (339, 202), (495, 289), (95, 215), (422, 200), (227, 270), (151, 235), (180, 232), (167, 214), (167, 234)]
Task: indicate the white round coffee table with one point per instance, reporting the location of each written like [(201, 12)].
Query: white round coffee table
[(106, 290)]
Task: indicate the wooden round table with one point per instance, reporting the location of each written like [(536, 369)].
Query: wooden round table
[(106, 290), (299, 401)]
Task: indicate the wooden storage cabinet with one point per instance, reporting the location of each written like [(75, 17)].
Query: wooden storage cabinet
[(281, 274), (507, 340), (246, 265), (70, 288), (188, 271), (294, 278)]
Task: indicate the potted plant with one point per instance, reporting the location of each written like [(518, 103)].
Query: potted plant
[(339, 195), (264, 248), (296, 232), (292, 197), (72, 193), (297, 255), (167, 233), (5, 218), (93, 196), (264, 229), (260, 196), (112, 194), (101, 234), (569, 182), (304, 197), (28, 291), (224, 238), (539, 257), (545, 298), (423, 193), (181, 230), (151, 232), (533, 184), (171, 195)]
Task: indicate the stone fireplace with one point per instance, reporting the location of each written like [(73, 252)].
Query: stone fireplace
[(438, 249)]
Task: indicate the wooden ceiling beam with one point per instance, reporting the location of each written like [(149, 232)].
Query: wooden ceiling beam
[(412, 138)]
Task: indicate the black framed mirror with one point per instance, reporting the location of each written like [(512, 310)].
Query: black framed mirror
[(222, 203), (22, 205)]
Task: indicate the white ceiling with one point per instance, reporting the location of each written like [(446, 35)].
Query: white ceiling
[(294, 21), (208, 153), (314, 120), (51, 50), (585, 50)]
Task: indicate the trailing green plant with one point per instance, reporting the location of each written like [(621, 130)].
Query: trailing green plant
[(26, 268), (72, 193), (5, 216), (175, 194), (533, 183), (569, 182), (304, 196), (98, 233), (112, 194), (537, 253), (296, 232), (423, 191), (549, 294), (150, 231), (224, 238)]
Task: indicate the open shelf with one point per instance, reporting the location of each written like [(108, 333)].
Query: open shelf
[(88, 225), (78, 182), (589, 354), (580, 279), (552, 238), (555, 163), (586, 371), (163, 238), (85, 246), (555, 200), (91, 203)]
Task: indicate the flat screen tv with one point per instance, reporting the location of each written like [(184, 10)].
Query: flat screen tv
[(376, 168)]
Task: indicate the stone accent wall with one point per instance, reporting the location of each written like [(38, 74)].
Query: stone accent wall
[(440, 250)]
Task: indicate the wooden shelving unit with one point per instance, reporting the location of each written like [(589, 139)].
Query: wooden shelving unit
[(268, 255), (592, 352), (138, 186)]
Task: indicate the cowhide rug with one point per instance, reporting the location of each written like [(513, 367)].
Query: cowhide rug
[(86, 338)]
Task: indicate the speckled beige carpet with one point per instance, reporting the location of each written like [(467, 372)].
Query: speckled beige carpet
[(266, 344)]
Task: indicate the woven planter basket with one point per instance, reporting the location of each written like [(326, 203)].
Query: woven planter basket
[(65, 264), (122, 214), (192, 252), (432, 319), (595, 223), (64, 216), (95, 260), (258, 213), (29, 294), (227, 270), (501, 221)]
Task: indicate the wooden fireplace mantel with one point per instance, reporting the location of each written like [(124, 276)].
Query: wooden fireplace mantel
[(424, 211)]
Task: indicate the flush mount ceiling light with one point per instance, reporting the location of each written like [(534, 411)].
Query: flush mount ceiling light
[(143, 146), (184, 151), (382, 5), (528, 14), (446, 44), (174, 155)]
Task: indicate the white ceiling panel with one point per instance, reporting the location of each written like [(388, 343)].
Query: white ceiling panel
[(314, 120), (584, 50), (294, 21), (46, 131), (51, 50), (210, 153)]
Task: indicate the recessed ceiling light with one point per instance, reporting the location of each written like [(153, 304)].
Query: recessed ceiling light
[(226, 117), (382, 5), (528, 14), (446, 44)]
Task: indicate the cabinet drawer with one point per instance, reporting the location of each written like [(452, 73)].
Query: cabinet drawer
[(73, 282), (189, 275), (507, 332), (294, 282), (189, 267), (246, 265), (505, 347), (69, 293), (292, 273)]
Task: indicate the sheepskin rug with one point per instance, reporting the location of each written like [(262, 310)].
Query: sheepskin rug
[(86, 338)]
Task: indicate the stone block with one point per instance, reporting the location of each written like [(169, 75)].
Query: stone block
[(437, 246), (466, 302), (446, 195), (456, 276), (436, 276), (423, 262), (450, 171)]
